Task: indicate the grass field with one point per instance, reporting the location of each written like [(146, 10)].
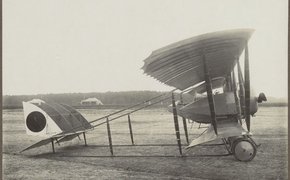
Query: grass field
[(73, 160)]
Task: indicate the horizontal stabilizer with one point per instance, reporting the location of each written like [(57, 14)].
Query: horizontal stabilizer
[(38, 144), (61, 137), (225, 129), (68, 138)]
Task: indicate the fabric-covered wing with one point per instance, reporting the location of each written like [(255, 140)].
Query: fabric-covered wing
[(180, 64)]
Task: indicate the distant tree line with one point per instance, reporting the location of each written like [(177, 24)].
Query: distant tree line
[(110, 99), (74, 99)]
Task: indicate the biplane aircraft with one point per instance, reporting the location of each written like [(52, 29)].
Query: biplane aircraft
[(207, 67), (198, 66)]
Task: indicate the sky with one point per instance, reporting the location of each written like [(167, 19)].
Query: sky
[(71, 46)]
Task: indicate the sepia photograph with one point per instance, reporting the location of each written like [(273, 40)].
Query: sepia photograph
[(105, 89)]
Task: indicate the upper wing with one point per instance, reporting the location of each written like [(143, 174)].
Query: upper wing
[(180, 64)]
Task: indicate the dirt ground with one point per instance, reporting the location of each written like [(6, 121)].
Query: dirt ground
[(73, 160)]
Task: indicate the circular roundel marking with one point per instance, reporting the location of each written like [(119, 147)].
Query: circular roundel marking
[(35, 121), (244, 150)]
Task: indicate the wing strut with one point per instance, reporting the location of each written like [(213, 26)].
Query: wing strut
[(85, 139), (247, 88), (242, 89), (52, 145), (184, 122), (237, 100), (109, 136), (130, 129), (209, 94), (176, 125)]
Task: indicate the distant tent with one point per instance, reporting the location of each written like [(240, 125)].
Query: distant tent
[(36, 101), (91, 101)]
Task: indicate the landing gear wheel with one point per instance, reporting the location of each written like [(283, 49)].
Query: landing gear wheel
[(244, 149)]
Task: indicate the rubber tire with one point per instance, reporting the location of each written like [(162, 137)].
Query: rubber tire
[(237, 141)]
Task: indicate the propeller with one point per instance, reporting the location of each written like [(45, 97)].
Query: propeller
[(247, 89), (245, 93)]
